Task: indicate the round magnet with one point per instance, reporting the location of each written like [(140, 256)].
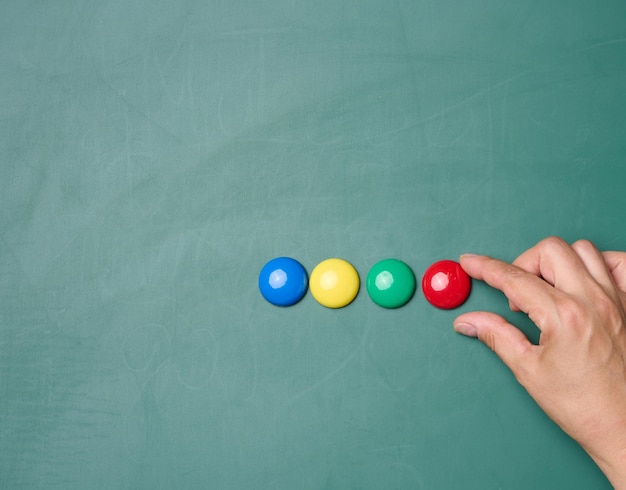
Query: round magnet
[(390, 283), (446, 285), (283, 281), (334, 283)]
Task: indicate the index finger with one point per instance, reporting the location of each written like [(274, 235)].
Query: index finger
[(528, 292)]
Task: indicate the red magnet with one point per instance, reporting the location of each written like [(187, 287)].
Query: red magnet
[(446, 285)]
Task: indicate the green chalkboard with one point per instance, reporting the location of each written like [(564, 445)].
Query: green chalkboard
[(155, 154)]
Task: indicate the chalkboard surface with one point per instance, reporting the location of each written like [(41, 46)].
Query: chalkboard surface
[(155, 154)]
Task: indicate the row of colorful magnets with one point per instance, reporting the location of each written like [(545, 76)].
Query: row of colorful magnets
[(390, 283)]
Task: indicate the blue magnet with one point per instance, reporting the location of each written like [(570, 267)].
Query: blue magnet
[(283, 281)]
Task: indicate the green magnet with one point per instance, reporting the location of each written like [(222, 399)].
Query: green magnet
[(390, 283)]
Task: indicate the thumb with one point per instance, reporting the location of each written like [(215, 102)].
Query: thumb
[(506, 340)]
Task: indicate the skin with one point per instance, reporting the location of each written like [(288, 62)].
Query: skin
[(576, 296)]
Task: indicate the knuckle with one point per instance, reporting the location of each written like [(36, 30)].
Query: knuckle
[(504, 269), (552, 244), (511, 276), (598, 309), (584, 246), (571, 312), (609, 311)]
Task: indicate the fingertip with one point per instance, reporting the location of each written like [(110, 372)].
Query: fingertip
[(467, 257), (468, 323), (471, 263), (466, 329)]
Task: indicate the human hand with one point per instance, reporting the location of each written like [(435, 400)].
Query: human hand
[(576, 296)]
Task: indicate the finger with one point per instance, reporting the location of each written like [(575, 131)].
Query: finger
[(553, 260), (507, 341), (595, 263), (616, 262), (525, 290)]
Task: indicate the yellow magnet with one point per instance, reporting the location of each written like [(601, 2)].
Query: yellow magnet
[(334, 283)]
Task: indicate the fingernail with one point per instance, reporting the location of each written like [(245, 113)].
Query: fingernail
[(466, 329), (468, 256)]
